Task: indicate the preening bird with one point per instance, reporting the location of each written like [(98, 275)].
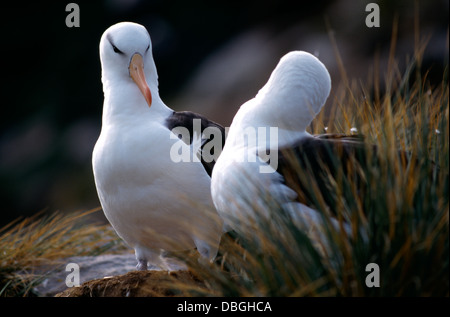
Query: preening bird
[(156, 202), (269, 156)]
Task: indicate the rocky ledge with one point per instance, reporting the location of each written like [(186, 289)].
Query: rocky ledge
[(137, 284)]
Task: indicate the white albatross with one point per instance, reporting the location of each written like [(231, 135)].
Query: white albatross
[(255, 173), (156, 205)]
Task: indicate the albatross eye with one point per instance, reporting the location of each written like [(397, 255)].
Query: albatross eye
[(116, 50), (147, 47)]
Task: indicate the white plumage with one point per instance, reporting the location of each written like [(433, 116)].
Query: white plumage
[(243, 181), (153, 203)]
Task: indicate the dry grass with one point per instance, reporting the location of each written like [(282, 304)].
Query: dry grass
[(41, 241)]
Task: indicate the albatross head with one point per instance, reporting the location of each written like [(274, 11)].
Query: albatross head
[(126, 58), (295, 92)]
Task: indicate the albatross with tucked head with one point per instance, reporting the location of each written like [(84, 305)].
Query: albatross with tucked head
[(270, 157)]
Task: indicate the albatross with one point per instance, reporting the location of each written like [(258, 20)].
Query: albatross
[(156, 202), (269, 159)]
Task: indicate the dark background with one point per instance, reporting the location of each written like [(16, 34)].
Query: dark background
[(210, 58)]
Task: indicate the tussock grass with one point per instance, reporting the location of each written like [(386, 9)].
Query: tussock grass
[(44, 241)]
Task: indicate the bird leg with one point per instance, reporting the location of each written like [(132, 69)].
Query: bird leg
[(142, 265)]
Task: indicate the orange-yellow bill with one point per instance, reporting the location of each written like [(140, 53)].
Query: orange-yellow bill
[(137, 74)]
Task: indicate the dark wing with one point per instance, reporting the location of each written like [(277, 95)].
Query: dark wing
[(358, 138), (313, 167), (209, 153)]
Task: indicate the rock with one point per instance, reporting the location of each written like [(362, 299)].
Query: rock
[(137, 284), (91, 267)]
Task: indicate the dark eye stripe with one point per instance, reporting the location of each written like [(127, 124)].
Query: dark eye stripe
[(147, 47), (116, 50)]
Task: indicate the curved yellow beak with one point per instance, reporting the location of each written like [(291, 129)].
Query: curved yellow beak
[(136, 68)]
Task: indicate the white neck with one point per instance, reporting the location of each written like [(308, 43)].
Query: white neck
[(123, 98), (263, 133), (294, 94)]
